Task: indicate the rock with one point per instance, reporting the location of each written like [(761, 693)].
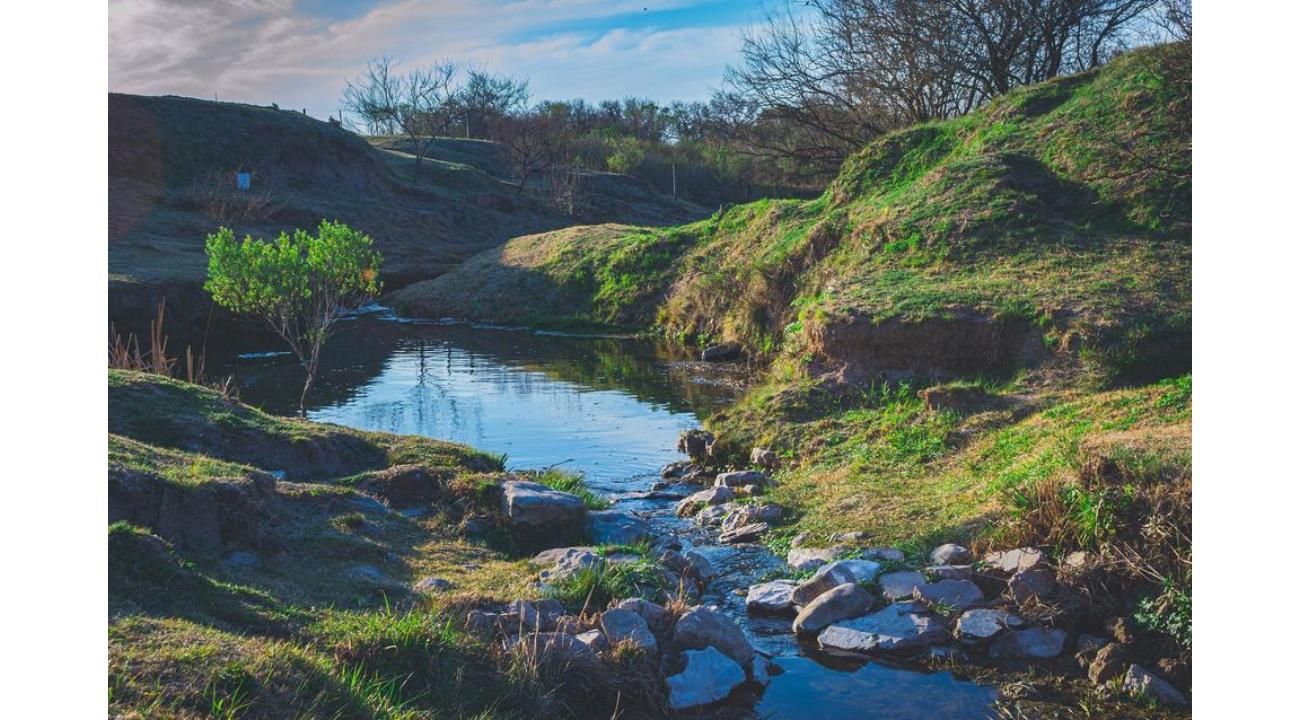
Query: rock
[(758, 672), (1030, 643), (709, 677), (1078, 561), (657, 617), (616, 527), (745, 533), (692, 565), (1175, 670), (949, 572), (1089, 643), (701, 627), (552, 645), (764, 458), (547, 558), (957, 594), (979, 625), (1109, 664), (722, 352), (833, 574), (367, 574), (804, 558), (741, 477), (704, 498), (570, 563), (1009, 562), (856, 537), (696, 444), (714, 515), (901, 584), (594, 640), (675, 469), (433, 584), (773, 597), (538, 615), (405, 486), (884, 554), (839, 603), (533, 505), (901, 626), (740, 515), (801, 539), (951, 554), (1122, 629), (1139, 682), (627, 626), (1032, 584)]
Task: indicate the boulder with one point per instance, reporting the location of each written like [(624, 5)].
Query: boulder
[(595, 640), (692, 565), (901, 584), (722, 352), (627, 626), (675, 470), (773, 597), (657, 618), (547, 558), (739, 515), (949, 572), (806, 558), (834, 574), (709, 677), (979, 625), (744, 533), (704, 498), (616, 527), (433, 584), (1139, 682), (533, 505), (537, 615), (1109, 663), (1009, 562), (839, 603), (764, 458), (1035, 643), (701, 627), (885, 554), (1032, 584), (569, 563), (951, 554), (901, 626), (738, 478), (696, 444), (715, 515), (367, 574), (956, 594), (556, 646)]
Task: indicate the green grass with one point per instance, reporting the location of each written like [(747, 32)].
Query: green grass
[(574, 484), (592, 589), (1067, 204)]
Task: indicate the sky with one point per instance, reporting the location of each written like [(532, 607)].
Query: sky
[(297, 53)]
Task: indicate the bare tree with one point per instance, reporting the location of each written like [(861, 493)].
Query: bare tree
[(416, 104), (486, 98), (828, 78), (534, 141)]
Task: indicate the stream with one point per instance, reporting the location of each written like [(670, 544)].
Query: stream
[(611, 408)]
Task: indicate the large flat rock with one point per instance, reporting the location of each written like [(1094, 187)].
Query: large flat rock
[(901, 626), (533, 505), (709, 677)]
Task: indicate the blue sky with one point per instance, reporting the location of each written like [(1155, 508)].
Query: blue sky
[(298, 52)]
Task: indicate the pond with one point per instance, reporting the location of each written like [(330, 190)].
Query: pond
[(609, 407)]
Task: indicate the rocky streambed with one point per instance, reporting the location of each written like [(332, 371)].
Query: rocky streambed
[(734, 630)]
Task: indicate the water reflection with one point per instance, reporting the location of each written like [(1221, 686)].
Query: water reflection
[(609, 407), (809, 689)]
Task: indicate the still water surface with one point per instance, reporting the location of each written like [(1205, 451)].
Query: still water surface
[(609, 407)]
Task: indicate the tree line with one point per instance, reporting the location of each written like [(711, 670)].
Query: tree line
[(814, 82)]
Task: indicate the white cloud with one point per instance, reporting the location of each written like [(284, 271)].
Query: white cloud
[(263, 51)]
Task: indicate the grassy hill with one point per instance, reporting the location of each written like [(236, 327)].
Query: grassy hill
[(172, 159), (1056, 217), (981, 330)]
